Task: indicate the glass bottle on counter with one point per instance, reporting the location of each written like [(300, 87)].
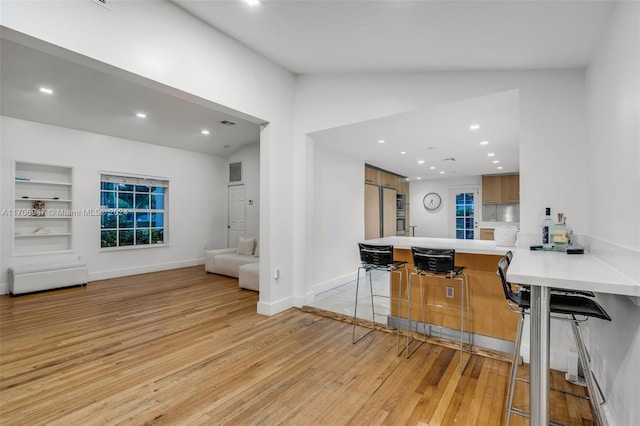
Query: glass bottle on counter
[(560, 235), (546, 230)]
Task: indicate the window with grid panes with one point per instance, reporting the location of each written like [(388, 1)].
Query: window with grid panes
[(465, 216), (133, 211)]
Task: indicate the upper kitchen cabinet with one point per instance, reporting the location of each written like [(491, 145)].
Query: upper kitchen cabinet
[(402, 186), (388, 180), (510, 189), (371, 175), (501, 189), (491, 189)]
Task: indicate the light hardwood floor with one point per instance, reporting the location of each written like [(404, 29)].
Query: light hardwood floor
[(185, 347)]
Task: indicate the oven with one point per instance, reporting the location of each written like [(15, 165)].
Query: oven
[(400, 204), (401, 226)]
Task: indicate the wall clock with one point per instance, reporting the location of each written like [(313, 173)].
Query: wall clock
[(432, 201)]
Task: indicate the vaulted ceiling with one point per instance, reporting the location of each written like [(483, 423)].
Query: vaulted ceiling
[(319, 36)]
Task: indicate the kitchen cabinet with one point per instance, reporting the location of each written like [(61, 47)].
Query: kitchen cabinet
[(486, 234), (490, 316), (371, 175), (501, 189), (380, 212), (41, 214), (402, 186), (388, 180), (491, 189), (510, 189), (389, 214), (371, 211)]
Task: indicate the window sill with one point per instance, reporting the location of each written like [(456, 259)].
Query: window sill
[(140, 247)]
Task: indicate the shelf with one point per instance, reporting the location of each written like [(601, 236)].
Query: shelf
[(42, 252), (50, 200), (43, 182), (52, 185), (43, 217), (66, 234)]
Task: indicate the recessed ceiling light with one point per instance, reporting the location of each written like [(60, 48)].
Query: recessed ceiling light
[(432, 168), (499, 167), (441, 172), (46, 90), (418, 178), (496, 161), (205, 132), (381, 141), (141, 115), (491, 154), (403, 152), (474, 127), (252, 2), (420, 161), (484, 143)]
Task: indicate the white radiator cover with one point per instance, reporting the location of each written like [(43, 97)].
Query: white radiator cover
[(46, 276)]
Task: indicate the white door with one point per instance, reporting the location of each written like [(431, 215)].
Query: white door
[(236, 214), (464, 213)]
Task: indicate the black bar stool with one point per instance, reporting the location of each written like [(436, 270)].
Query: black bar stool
[(440, 263), (380, 258), (565, 307)]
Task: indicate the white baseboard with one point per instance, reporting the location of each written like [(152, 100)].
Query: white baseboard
[(270, 309), (310, 296), (117, 273), (557, 360), (333, 283)]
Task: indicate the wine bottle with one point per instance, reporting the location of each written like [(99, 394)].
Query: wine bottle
[(546, 230)]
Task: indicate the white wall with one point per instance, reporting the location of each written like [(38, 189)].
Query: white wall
[(338, 215), (613, 84), (553, 167), (197, 195), (435, 224), (249, 155), (160, 41)]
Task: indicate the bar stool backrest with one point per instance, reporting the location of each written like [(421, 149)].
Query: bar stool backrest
[(436, 261), (503, 265), (509, 256), (381, 256)]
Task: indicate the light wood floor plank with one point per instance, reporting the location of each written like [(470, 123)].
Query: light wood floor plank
[(186, 347)]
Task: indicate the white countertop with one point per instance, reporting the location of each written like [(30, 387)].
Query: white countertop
[(571, 271), (460, 246)]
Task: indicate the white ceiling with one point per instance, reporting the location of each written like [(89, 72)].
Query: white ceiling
[(434, 135), (309, 36), (100, 99), (333, 36)]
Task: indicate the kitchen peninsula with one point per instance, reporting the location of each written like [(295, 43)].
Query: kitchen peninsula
[(490, 315), (542, 270)]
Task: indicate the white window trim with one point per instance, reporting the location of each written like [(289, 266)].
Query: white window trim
[(141, 180)]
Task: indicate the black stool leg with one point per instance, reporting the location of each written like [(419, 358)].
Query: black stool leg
[(355, 339), (514, 368)]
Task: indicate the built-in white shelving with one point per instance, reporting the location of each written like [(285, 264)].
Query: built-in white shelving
[(47, 230)]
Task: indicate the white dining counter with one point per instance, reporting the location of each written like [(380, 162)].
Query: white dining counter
[(542, 270), (460, 246), (571, 271)]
